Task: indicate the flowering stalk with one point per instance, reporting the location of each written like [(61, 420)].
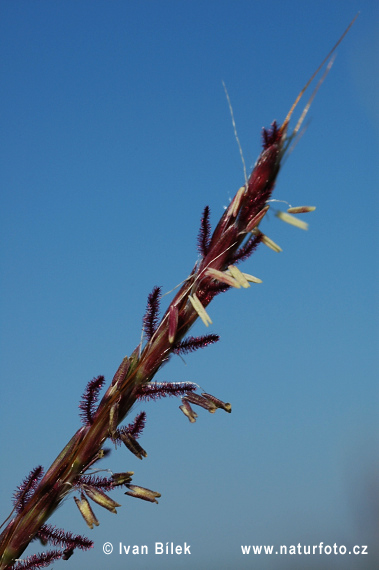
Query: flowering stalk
[(234, 239)]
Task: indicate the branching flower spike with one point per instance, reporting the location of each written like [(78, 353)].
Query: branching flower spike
[(234, 239)]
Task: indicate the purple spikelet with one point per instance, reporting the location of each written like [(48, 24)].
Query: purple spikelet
[(271, 136), (156, 390), (59, 537), (204, 233), (26, 489), (88, 403), (212, 290), (150, 319), (135, 429), (246, 250), (103, 483), (41, 560), (190, 344), (130, 433)]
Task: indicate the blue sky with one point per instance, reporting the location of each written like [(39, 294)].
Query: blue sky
[(115, 135)]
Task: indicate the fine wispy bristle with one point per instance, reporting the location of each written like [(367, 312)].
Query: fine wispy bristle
[(190, 344), (89, 400), (203, 238), (150, 319), (289, 114), (26, 489)]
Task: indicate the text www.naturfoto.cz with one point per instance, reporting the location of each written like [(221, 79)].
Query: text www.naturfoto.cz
[(304, 549)]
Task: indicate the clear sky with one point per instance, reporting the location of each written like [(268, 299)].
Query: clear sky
[(115, 133)]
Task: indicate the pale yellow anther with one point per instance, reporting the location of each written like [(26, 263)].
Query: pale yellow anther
[(238, 276), (142, 493), (200, 309), (113, 417), (237, 201), (223, 277), (271, 244), (254, 222), (188, 411), (86, 511), (301, 209), (121, 478), (252, 279), (292, 220), (101, 498)]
